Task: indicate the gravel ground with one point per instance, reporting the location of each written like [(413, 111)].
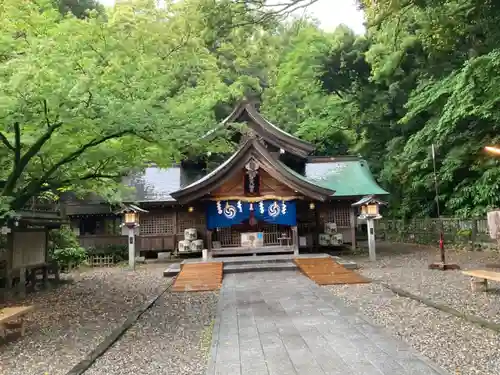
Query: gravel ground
[(72, 319), (408, 270), (458, 346), (173, 337)]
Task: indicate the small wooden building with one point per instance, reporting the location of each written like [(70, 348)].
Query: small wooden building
[(24, 244), (270, 195)]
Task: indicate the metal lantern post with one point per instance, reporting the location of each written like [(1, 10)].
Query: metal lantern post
[(369, 207), (131, 221)]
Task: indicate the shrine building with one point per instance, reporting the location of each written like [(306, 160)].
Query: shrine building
[(272, 195)]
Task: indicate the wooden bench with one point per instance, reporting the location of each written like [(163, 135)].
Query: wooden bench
[(8, 314), (484, 275)]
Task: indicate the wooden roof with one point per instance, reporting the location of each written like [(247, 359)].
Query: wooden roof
[(251, 149), (245, 111)]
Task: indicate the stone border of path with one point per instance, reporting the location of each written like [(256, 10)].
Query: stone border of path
[(109, 340), (445, 308)]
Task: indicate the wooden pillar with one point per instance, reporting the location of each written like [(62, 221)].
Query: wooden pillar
[(473, 235), (295, 240), (209, 242), (317, 229), (176, 231), (353, 228), (21, 288), (10, 259), (45, 268)]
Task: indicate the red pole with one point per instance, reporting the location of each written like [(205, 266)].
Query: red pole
[(441, 247)]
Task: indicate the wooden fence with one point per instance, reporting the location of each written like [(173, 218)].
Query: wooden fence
[(473, 232)]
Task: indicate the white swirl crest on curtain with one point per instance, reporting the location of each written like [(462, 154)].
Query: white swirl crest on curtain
[(230, 211), (274, 210), (283, 208)]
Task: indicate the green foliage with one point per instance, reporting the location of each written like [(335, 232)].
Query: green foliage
[(120, 252), (83, 101), (74, 256), (79, 8), (62, 238), (85, 97), (464, 233)]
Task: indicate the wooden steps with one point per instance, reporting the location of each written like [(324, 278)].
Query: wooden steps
[(199, 277), (325, 271)]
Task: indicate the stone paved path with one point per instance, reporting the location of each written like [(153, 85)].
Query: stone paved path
[(281, 323)]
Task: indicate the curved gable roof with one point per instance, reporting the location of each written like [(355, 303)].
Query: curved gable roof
[(271, 133), (251, 149), (348, 176)]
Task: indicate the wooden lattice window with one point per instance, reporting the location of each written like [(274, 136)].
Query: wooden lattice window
[(340, 215), (156, 224), (228, 237), (188, 220)]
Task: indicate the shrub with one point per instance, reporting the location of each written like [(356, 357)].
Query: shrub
[(120, 252), (69, 256), (63, 238)]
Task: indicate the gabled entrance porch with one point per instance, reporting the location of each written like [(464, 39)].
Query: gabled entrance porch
[(250, 226)]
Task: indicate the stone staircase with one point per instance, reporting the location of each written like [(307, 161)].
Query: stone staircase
[(257, 263)]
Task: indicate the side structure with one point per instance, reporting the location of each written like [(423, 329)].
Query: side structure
[(24, 247), (269, 196)]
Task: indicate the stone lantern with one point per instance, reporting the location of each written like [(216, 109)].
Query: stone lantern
[(370, 210), (130, 223)]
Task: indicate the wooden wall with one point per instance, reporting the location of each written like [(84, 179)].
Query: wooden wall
[(268, 186), (30, 248), (162, 228), (159, 229)]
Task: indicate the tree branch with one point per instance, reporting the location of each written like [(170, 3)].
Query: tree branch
[(6, 142), (17, 150), (36, 186), (74, 155), (25, 159)]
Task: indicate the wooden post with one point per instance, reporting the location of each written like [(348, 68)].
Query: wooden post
[(352, 219), (295, 240), (473, 236), (209, 243), (176, 231), (21, 288), (317, 229), (45, 270), (10, 260)]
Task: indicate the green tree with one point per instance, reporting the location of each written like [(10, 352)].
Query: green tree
[(79, 8), (83, 101)]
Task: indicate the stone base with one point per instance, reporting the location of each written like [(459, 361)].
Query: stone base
[(478, 285), (164, 255)]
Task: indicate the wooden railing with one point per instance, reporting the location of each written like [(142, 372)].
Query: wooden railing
[(233, 238)]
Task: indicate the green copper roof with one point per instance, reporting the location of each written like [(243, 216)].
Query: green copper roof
[(346, 176)]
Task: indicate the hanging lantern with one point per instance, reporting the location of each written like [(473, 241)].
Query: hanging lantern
[(190, 209), (312, 206)]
